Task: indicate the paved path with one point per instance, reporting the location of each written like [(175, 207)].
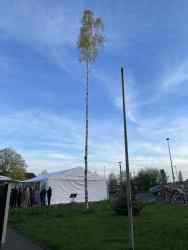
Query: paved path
[(16, 241)]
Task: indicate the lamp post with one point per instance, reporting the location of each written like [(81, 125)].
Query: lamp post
[(170, 156)]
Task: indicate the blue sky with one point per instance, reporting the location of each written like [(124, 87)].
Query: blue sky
[(42, 83)]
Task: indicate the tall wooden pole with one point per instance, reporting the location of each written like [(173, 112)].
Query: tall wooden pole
[(129, 197)]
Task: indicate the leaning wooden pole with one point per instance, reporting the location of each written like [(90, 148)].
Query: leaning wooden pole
[(129, 197)]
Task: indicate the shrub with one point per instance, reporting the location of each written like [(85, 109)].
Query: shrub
[(113, 186), (119, 202)]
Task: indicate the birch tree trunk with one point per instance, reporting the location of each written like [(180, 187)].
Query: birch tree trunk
[(86, 136)]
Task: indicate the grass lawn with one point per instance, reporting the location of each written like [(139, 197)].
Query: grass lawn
[(159, 227)]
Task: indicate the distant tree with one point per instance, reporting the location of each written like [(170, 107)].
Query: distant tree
[(44, 172), (29, 175), (163, 176), (146, 178), (124, 176), (180, 177), (89, 42), (112, 185), (12, 164)]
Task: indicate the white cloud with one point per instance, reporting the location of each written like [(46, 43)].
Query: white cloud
[(49, 29), (39, 23), (55, 142), (176, 76), (112, 84)]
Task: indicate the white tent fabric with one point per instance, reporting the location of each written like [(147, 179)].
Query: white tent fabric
[(64, 183), (4, 178)]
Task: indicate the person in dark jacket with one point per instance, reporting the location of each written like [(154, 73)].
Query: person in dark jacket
[(31, 191), (49, 195), (15, 195), (19, 197), (43, 197), (12, 198)]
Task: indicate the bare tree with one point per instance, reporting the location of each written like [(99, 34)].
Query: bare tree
[(163, 176), (89, 42)]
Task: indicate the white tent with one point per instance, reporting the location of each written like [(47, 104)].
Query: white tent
[(64, 183), (4, 178)]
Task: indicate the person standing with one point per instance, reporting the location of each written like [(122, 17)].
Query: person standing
[(31, 194), (43, 197), (49, 195), (37, 196), (12, 198), (27, 197), (15, 195), (19, 197)]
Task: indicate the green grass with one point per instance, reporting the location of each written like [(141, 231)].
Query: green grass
[(159, 227)]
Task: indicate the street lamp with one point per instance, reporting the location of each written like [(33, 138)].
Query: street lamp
[(170, 156)]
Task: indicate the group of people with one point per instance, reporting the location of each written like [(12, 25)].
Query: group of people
[(26, 197)]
